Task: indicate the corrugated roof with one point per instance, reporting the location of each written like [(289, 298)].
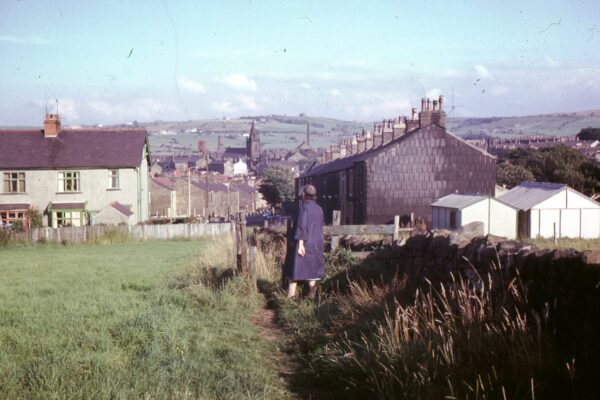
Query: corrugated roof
[(458, 201), (72, 148), (528, 194)]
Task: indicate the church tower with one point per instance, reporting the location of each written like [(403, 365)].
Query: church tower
[(253, 148)]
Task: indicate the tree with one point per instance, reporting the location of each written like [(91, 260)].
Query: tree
[(277, 185), (512, 175), (560, 164)]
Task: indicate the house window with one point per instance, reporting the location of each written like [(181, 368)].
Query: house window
[(113, 179), (69, 218), (68, 181), (14, 182), (8, 217)]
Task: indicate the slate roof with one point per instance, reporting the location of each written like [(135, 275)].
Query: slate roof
[(121, 208), (72, 148), (347, 162), (235, 152), (212, 186), (242, 187), (458, 201), (164, 182), (528, 194), (66, 206), (14, 206)]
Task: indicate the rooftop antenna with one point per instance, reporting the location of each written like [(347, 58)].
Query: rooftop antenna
[(452, 105)]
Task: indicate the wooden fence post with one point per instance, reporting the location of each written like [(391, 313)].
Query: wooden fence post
[(242, 251), (396, 234), (335, 240)]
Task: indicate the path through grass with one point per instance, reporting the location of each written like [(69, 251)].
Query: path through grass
[(140, 320)]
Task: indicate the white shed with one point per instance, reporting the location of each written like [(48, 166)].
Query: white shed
[(456, 210), (551, 209)]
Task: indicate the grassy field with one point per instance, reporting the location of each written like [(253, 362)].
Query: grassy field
[(139, 320), (567, 243)]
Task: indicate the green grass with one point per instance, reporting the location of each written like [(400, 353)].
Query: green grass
[(566, 243), (136, 320)]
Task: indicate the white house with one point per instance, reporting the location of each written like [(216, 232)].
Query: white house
[(70, 175), (240, 168), (456, 210), (550, 209)]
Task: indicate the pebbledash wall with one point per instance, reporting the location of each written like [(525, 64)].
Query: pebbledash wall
[(42, 188)]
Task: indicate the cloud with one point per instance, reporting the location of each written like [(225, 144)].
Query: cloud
[(240, 103), (67, 109), (433, 93), (238, 82), (246, 102), (385, 108), (551, 62), (482, 72), (305, 85), (335, 92), (500, 90), (191, 86), (23, 40), (143, 109), (224, 107)]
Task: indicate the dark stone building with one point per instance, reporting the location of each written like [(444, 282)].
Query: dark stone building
[(400, 168)]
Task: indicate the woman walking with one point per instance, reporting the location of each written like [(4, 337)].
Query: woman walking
[(307, 262)]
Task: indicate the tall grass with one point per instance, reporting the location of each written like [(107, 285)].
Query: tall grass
[(135, 320), (384, 338), (566, 243)]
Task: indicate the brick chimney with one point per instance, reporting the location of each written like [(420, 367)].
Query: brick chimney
[(425, 116), (51, 125), (343, 148), (361, 144), (439, 116), (353, 145), (399, 127), (388, 131), (335, 152), (377, 136), (368, 140)]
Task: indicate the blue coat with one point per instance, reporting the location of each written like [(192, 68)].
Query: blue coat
[(309, 227)]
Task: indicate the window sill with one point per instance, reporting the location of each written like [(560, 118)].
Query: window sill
[(69, 192), (113, 189), (14, 193)]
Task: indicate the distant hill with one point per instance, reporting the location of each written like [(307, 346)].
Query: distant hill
[(558, 124), (290, 131), (287, 131)]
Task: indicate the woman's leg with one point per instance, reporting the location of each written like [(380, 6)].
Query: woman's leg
[(292, 289), (312, 289)]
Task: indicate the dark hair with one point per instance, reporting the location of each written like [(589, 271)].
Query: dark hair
[(309, 192), (307, 196)]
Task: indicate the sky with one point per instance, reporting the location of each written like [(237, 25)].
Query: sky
[(117, 61)]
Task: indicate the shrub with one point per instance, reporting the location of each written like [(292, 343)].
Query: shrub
[(4, 237)]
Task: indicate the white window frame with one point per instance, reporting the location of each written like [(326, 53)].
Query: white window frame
[(72, 177), (14, 178)]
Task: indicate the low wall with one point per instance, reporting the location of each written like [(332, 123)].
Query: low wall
[(85, 234)]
